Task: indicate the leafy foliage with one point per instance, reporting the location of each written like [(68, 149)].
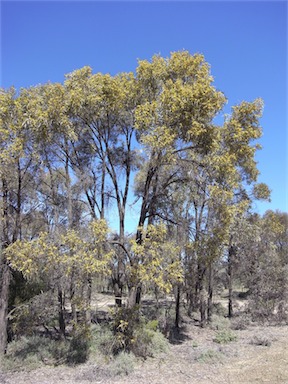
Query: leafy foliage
[(73, 156)]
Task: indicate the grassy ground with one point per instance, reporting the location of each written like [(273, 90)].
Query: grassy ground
[(219, 354)]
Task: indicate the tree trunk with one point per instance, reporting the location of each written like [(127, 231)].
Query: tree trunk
[(200, 294), (88, 300), (4, 296), (117, 288), (230, 285), (4, 269), (231, 254), (61, 313), (177, 307), (73, 298), (134, 296), (210, 294), (202, 307)]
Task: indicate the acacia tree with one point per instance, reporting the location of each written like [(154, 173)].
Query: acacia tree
[(54, 258), (89, 138), (101, 108), (18, 167), (260, 263), (174, 119)]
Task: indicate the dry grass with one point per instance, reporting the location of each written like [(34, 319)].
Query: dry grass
[(257, 355), (197, 359)]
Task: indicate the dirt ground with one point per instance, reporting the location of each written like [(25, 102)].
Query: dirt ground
[(194, 359)]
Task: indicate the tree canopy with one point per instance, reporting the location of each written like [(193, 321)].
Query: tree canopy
[(77, 155)]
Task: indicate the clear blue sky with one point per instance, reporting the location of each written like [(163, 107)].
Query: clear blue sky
[(245, 43)]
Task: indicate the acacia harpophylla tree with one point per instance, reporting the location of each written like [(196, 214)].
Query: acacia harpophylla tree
[(56, 259), (173, 120), (101, 109), (155, 262), (19, 164)]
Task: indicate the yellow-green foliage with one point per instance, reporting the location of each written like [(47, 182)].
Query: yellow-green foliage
[(11, 138), (156, 259), (52, 257)]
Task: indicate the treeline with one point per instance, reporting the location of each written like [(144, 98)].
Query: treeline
[(75, 155)]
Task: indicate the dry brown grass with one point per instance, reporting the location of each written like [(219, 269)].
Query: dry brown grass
[(258, 355), (197, 359)]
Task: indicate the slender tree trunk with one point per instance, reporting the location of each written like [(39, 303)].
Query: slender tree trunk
[(17, 226), (68, 189), (73, 298), (177, 307), (88, 300), (103, 182), (210, 294), (190, 302), (4, 296), (200, 294), (5, 273), (202, 306), (61, 313), (230, 281), (117, 288), (134, 296)]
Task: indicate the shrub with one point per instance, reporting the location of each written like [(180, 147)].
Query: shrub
[(123, 364), (149, 343), (261, 340), (209, 356), (41, 310), (32, 352), (219, 309), (240, 323), (220, 322), (133, 333), (224, 337), (102, 339), (79, 345)]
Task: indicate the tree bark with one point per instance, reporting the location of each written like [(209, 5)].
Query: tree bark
[(200, 294), (5, 277), (230, 281), (5, 273), (177, 307), (117, 288), (61, 313), (88, 300), (210, 294), (134, 296)]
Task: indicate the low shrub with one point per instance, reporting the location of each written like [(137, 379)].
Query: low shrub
[(219, 309), (148, 342), (133, 333), (123, 364), (261, 340), (209, 356), (240, 322), (220, 322), (224, 337), (32, 352), (102, 340), (79, 345)]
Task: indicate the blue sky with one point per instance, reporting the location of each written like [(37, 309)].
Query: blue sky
[(245, 43)]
